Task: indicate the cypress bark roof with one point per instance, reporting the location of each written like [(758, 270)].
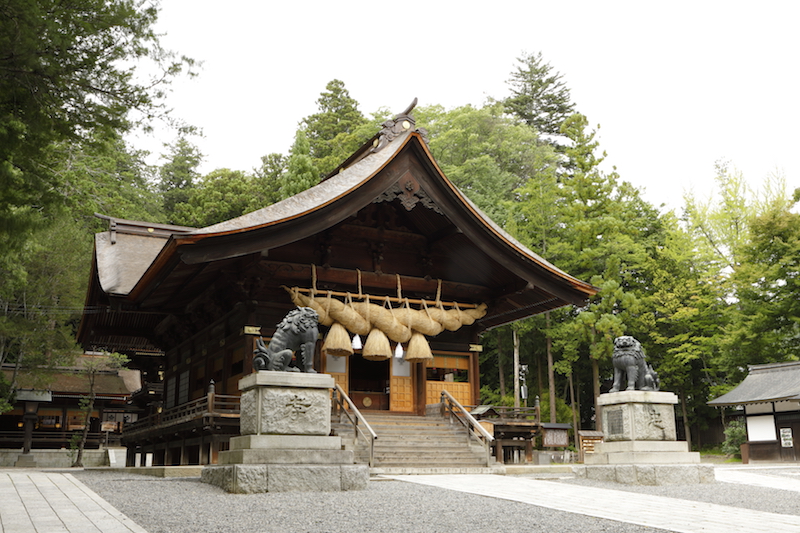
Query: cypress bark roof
[(153, 268)]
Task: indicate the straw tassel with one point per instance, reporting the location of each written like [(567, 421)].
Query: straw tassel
[(418, 348), (337, 342), (377, 346)]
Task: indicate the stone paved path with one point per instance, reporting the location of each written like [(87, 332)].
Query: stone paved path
[(42, 502), (642, 509), (760, 478)]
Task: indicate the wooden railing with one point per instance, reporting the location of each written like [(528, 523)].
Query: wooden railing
[(454, 410), (212, 404), (341, 403), (57, 439), (517, 413)]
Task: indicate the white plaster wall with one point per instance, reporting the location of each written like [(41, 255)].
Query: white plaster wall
[(761, 428), (783, 407), (758, 408)]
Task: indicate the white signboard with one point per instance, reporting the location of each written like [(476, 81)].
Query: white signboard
[(786, 438)]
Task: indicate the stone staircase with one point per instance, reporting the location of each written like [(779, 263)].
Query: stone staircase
[(416, 444)]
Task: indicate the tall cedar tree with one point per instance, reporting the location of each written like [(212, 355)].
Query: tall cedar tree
[(178, 176), (335, 131), (539, 95)]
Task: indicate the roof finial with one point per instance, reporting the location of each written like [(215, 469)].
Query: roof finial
[(407, 112), (392, 128)]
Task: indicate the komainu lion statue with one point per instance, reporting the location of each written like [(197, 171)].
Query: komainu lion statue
[(629, 361), (297, 331)]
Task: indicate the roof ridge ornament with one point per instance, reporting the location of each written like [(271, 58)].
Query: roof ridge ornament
[(396, 126)]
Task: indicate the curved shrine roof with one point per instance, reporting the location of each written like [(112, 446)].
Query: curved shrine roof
[(135, 259)]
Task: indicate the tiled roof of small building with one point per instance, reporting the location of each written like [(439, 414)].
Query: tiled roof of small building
[(765, 383)]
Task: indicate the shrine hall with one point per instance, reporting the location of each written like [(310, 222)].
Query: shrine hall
[(385, 247)]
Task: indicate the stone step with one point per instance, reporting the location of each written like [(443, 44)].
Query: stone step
[(410, 460), (415, 443), (407, 423), (420, 434), (396, 435), (423, 470), (464, 452), (428, 441)]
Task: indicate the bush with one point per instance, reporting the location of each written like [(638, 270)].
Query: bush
[(735, 436)]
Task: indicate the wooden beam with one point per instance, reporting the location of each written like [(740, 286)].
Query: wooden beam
[(346, 280)]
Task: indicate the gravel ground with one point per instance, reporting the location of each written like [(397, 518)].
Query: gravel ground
[(185, 505)]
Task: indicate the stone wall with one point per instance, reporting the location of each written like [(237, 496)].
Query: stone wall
[(62, 458)]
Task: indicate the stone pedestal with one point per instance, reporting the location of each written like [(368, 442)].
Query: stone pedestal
[(284, 443), (640, 442), (638, 415)]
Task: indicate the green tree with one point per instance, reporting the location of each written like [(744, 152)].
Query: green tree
[(689, 311), (66, 72), (487, 154), (336, 130), (766, 326), (269, 176), (301, 172), (92, 367), (722, 224), (539, 95), (744, 266), (219, 196), (177, 176), (105, 176), (606, 235), (40, 309)]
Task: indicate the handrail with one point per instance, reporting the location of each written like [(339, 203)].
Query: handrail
[(341, 398), (210, 405), (474, 429)]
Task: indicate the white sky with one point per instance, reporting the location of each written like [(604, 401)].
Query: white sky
[(675, 86)]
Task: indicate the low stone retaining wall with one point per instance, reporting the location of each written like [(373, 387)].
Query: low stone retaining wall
[(64, 458), (649, 474)]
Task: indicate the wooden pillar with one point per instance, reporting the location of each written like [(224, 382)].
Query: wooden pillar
[(421, 386), (213, 451), (475, 368), (475, 377), (498, 450)]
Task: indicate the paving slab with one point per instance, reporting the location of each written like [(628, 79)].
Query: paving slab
[(50, 502), (642, 509), (762, 478)]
